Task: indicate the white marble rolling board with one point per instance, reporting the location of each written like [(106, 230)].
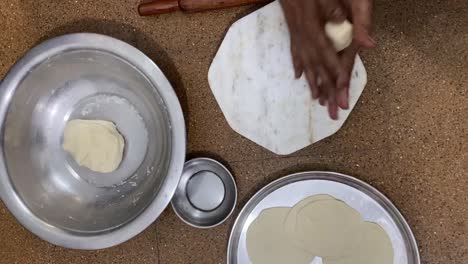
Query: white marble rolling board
[(252, 78)]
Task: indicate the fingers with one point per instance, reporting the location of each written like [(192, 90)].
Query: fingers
[(332, 107), (296, 57), (342, 98), (347, 61), (311, 49), (328, 55), (314, 36), (323, 92), (310, 61), (329, 69), (361, 14), (323, 100), (290, 12), (312, 80), (332, 10), (329, 75), (322, 57), (329, 87), (313, 53)]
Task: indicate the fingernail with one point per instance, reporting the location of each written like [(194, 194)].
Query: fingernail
[(346, 105), (297, 71), (334, 115), (322, 101), (333, 110)]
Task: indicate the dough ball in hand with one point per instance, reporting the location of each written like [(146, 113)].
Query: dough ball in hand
[(95, 144), (341, 34)]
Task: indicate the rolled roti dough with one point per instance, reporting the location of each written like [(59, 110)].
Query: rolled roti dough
[(375, 247), (291, 220), (95, 144), (318, 226), (328, 228), (267, 243)]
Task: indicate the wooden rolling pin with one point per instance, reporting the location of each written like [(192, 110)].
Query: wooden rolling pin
[(166, 6)]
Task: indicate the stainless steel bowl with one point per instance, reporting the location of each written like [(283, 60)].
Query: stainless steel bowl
[(88, 76), (206, 195)]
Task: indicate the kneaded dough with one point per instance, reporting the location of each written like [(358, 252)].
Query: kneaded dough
[(95, 144), (267, 243), (341, 34)]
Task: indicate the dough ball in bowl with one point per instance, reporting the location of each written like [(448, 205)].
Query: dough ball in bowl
[(95, 144)]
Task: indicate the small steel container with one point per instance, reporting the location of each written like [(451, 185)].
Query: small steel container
[(206, 195)]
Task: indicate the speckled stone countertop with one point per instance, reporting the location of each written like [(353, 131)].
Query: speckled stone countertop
[(408, 135)]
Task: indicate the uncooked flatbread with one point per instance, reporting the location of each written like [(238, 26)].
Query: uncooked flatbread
[(95, 144), (291, 220), (328, 228), (375, 247), (267, 243), (318, 226)]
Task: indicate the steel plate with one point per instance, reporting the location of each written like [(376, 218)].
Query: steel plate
[(287, 191)]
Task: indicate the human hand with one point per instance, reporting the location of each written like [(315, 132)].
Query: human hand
[(313, 53)]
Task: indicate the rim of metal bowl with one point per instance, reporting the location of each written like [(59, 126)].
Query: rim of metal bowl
[(152, 72)]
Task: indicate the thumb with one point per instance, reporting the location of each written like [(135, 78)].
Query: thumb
[(362, 18)]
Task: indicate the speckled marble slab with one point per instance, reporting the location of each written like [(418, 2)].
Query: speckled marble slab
[(252, 78)]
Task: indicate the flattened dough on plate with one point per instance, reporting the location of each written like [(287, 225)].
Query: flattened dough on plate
[(328, 228), (376, 247), (291, 219), (267, 243)]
